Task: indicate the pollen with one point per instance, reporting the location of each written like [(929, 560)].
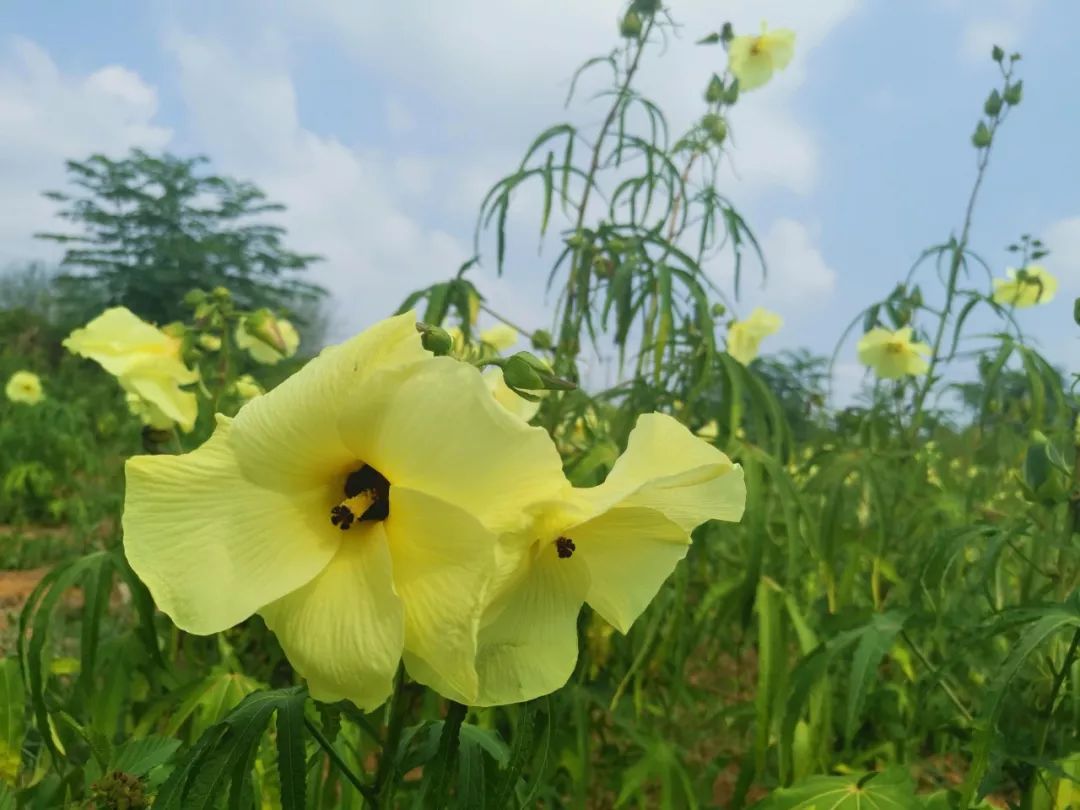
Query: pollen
[(565, 548), (367, 497)]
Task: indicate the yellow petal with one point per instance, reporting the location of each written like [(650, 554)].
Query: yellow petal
[(119, 341), (629, 553), (436, 429), (528, 643), (667, 468), (165, 398), (344, 630), (289, 439), (443, 563), (500, 337), (212, 546)]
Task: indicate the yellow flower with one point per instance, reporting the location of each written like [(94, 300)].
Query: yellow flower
[(263, 352), (611, 546), (1025, 288), (744, 337), (24, 387), (144, 359), (753, 59), (893, 354), (247, 387), (148, 413), (499, 337), (709, 431), (355, 507), (505, 396)]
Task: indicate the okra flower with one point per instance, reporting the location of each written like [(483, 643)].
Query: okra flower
[(611, 546), (893, 354), (744, 337), (355, 507), (144, 359), (754, 59), (280, 330), (25, 387), (1025, 288)]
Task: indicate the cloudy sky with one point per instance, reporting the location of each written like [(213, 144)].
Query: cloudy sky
[(380, 125)]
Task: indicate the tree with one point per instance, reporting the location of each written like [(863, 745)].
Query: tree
[(155, 227)]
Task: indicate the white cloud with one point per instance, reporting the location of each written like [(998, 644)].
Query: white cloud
[(799, 281), (1000, 22), (1063, 240), (47, 117), (343, 203), (504, 68)]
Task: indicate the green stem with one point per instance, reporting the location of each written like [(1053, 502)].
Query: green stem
[(384, 775), (960, 707), (570, 324), (1059, 681), (521, 329), (327, 746)]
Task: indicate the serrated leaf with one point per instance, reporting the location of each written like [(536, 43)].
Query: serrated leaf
[(139, 757)]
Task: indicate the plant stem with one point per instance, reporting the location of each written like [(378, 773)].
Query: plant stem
[(521, 329), (327, 746), (960, 707), (571, 325), (1059, 681), (384, 775)]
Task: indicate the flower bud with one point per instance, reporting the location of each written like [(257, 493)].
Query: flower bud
[(174, 329), (221, 293), (715, 126), (630, 27), (263, 326), (194, 297), (541, 338), (992, 106), (1013, 93), (527, 372), (714, 93), (434, 339), (981, 138), (210, 342)]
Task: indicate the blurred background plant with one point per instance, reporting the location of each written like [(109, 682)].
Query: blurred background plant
[(895, 621)]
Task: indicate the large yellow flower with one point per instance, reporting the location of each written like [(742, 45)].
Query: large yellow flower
[(611, 546), (24, 387), (893, 354), (744, 337), (263, 352), (355, 507), (754, 59), (1025, 288), (146, 361)]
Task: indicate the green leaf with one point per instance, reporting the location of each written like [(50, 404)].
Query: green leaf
[(888, 790), (291, 757), (873, 645), (139, 757)]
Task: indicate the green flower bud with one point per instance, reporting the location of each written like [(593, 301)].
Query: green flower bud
[(646, 7), (981, 137), (263, 325), (120, 790), (714, 93), (1076, 311), (210, 342), (993, 104), (1013, 93), (434, 339), (630, 27), (997, 54), (527, 372), (718, 310), (715, 126), (194, 298), (174, 329), (541, 338), (221, 293)]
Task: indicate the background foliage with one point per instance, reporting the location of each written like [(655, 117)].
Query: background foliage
[(895, 622)]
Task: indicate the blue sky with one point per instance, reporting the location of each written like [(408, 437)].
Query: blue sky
[(381, 125)]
